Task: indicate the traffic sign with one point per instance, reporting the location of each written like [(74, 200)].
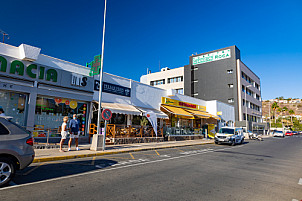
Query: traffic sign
[(106, 114)]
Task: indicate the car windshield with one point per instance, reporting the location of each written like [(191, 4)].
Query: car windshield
[(226, 130)]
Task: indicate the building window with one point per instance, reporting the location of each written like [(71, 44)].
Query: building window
[(180, 91), (157, 82), (257, 97), (231, 85), (175, 79), (256, 86), (243, 88), (14, 105), (230, 71), (243, 102), (50, 112), (231, 100)]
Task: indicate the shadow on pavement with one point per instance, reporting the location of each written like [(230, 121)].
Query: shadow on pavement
[(50, 170)]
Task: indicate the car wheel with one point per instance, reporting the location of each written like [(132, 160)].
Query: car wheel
[(216, 142), (7, 170), (234, 142), (242, 141)]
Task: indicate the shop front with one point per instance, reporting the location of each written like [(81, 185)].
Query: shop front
[(129, 123), (38, 91), (187, 118)]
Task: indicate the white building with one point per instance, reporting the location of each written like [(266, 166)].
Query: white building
[(166, 79)]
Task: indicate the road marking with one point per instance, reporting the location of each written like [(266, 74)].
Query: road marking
[(100, 166), (113, 168), (157, 152), (33, 169), (164, 156), (178, 149), (300, 181), (93, 161), (131, 156)]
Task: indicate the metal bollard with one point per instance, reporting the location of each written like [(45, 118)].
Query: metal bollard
[(47, 138)]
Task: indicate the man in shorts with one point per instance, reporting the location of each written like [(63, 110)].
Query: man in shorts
[(74, 132)]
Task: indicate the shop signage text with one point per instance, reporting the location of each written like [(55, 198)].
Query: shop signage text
[(112, 88), (215, 56), (78, 80), (169, 101), (32, 70)]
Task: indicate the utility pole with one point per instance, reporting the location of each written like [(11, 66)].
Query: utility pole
[(4, 35)]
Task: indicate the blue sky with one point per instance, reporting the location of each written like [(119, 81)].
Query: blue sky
[(140, 34)]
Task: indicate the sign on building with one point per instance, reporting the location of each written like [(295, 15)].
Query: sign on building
[(215, 56), (112, 88)]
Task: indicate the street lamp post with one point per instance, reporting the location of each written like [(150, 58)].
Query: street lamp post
[(94, 145), (246, 106)]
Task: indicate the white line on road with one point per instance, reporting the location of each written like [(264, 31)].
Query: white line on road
[(115, 168), (300, 181)]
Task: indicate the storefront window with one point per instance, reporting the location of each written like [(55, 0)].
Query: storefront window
[(50, 112), (13, 105), (118, 119)]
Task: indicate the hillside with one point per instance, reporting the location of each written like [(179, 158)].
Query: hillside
[(291, 104)]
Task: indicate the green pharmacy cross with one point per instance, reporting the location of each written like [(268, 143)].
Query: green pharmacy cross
[(95, 65)]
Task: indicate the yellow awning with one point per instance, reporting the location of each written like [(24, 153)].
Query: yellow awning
[(200, 114), (178, 111)]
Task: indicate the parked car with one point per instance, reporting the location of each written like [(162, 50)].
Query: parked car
[(278, 134), (289, 133), (295, 133), (300, 132), (229, 135), (16, 149)]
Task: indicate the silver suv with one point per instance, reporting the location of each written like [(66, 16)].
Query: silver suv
[(16, 149), (229, 135)]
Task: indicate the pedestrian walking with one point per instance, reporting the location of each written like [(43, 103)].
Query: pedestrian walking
[(2, 112), (63, 133), (74, 132)]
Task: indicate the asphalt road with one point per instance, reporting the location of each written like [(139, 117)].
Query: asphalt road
[(267, 170)]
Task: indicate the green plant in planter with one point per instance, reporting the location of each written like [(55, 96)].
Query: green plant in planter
[(144, 121)]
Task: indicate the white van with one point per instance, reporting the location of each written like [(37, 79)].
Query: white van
[(229, 135)]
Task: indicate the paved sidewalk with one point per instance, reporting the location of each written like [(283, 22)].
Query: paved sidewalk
[(44, 155)]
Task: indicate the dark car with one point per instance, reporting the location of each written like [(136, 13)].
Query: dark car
[(16, 149), (295, 133)]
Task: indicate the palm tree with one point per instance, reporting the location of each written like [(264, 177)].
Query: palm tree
[(291, 112), (274, 107), (285, 109)]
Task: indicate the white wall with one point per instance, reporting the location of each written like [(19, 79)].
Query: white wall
[(13, 51), (142, 95), (228, 111), (176, 72)]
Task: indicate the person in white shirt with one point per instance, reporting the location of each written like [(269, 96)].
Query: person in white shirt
[(2, 112), (63, 133)]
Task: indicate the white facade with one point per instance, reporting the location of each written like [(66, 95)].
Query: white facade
[(249, 93), (166, 79), (224, 111), (22, 50)]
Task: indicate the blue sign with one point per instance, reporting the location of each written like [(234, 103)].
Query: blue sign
[(112, 88)]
